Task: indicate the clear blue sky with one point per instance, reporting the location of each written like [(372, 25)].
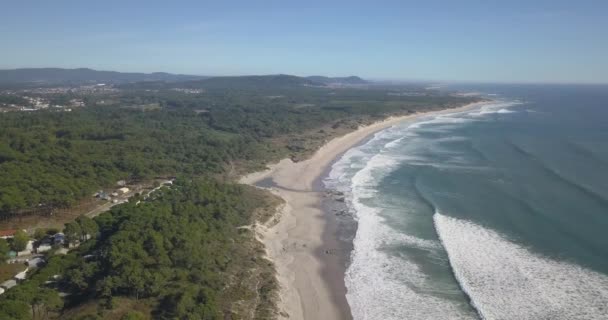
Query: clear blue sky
[(507, 41)]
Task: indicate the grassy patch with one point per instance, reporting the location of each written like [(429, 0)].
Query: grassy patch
[(121, 307), (9, 270)]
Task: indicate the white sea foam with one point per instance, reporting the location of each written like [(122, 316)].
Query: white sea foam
[(422, 151), (393, 143), (507, 281), (357, 158), (494, 107), (439, 122), (382, 286), (503, 279)]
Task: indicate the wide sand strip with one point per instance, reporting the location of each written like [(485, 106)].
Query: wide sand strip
[(293, 243)]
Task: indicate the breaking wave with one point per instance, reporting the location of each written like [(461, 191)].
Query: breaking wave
[(506, 281), (381, 282)]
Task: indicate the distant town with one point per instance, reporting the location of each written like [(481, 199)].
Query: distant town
[(45, 98)]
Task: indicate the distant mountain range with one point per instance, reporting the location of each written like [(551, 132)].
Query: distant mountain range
[(81, 75), (352, 80), (250, 82), (85, 75), (279, 80)]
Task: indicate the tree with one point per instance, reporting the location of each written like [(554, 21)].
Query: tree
[(72, 232), (81, 277), (20, 240), (12, 309), (12, 199), (39, 234), (133, 315), (88, 227), (4, 249), (45, 301)]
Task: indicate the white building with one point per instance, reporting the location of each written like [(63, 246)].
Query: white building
[(28, 249), (35, 262), (21, 275), (7, 234), (8, 284), (44, 247)]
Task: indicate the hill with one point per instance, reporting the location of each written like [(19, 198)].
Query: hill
[(59, 75), (252, 82), (352, 80), (162, 79), (256, 82)]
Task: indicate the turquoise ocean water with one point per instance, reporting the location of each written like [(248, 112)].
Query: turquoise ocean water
[(497, 213)]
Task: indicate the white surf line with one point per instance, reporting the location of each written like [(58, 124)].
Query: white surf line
[(506, 281)]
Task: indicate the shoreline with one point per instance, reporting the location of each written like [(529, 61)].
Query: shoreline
[(309, 256)]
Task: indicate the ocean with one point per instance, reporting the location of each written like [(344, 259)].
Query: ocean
[(500, 212)]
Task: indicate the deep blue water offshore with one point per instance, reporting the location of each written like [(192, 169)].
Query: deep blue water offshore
[(496, 213)]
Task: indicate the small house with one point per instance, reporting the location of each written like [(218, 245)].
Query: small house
[(102, 195), (21, 276), (59, 238), (7, 234), (123, 190), (45, 245), (28, 249), (89, 257), (35, 262), (8, 284)]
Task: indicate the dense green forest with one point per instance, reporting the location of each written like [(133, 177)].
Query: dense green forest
[(177, 255), (185, 252), (53, 159)]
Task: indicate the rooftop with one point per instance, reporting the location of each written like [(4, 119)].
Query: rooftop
[(7, 233)]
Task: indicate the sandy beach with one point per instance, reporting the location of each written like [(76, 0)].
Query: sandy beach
[(300, 245)]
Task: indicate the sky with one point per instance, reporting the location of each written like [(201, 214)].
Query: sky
[(480, 41)]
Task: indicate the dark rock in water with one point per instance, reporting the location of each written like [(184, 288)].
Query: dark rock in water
[(330, 251), (334, 193), (342, 213)]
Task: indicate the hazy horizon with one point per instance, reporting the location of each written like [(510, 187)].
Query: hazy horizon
[(470, 41), (438, 82)]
